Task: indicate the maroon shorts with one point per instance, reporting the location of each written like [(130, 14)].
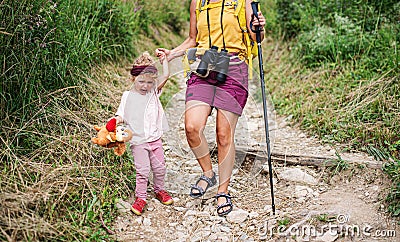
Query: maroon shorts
[(230, 95)]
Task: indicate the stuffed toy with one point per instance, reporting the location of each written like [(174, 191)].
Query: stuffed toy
[(110, 136)]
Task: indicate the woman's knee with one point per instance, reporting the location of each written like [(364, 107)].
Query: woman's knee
[(224, 137), (193, 129)]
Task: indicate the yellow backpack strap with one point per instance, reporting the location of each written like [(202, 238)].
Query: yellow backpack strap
[(249, 55), (186, 65), (240, 13), (198, 7)]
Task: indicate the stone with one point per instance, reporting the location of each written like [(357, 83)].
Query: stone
[(327, 237), (122, 206), (297, 175), (237, 216), (146, 222)]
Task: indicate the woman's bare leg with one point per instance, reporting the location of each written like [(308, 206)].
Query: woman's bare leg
[(196, 115), (226, 125)]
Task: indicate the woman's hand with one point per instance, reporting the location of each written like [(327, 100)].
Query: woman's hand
[(161, 53), (259, 22)]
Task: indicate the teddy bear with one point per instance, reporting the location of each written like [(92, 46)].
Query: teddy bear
[(111, 135)]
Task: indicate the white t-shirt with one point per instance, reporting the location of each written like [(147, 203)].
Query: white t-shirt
[(144, 115)]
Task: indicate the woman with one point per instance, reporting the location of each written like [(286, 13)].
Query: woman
[(216, 25)]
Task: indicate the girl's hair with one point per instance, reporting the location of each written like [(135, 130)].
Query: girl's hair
[(144, 60), (144, 64)]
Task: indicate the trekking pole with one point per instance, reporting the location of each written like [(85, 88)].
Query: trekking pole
[(257, 30)]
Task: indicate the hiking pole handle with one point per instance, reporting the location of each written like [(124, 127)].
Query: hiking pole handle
[(255, 29)]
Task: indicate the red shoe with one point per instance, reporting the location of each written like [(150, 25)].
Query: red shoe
[(164, 197), (138, 206)]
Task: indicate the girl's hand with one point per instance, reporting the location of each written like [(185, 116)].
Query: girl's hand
[(161, 53), (161, 56)]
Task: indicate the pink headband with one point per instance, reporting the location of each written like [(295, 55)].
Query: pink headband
[(140, 70)]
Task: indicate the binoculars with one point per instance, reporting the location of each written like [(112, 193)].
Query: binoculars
[(216, 61)]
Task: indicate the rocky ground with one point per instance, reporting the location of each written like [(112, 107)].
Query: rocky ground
[(312, 203)]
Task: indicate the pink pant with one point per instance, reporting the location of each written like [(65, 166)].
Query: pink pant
[(149, 155)]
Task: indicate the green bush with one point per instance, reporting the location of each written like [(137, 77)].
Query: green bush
[(295, 17), (342, 42)]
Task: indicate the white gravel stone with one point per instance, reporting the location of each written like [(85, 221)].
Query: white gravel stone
[(237, 216)]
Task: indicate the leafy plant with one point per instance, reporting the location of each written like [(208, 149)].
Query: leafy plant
[(340, 165), (283, 222), (393, 198), (326, 218)]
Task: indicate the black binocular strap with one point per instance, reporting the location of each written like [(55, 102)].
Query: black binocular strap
[(222, 27), (208, 25)]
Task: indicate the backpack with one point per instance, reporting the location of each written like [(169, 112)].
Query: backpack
[(240, 13)]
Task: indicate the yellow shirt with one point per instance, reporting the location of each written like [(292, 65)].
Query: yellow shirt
[(232, 33)]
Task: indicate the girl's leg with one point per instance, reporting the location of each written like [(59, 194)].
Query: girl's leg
[(157, 161), (142, 164), (226, 125), (196, 115)]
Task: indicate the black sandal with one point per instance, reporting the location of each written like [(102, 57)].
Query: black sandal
[(228, 203), (210, 182)]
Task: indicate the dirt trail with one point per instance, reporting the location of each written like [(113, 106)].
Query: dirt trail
[(311, 203)]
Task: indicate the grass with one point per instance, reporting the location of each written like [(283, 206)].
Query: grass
[(332, 103), (336, 74), (339, 165), (64, 70)]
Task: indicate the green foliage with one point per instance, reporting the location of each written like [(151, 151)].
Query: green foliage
[(340, 165), (299, 16), (332, 44), (288, 18), (45, 44), (283, 222), (356, 45), (268, 8), (343, 32), (174, 14), (48, 43), (393, 198), (340, 78), (326, 218)]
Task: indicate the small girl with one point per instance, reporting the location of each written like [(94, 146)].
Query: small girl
[(141, 110)]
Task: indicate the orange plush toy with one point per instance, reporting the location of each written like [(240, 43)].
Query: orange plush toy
[(110, 135)]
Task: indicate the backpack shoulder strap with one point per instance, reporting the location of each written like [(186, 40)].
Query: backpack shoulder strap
[(240, 12), (199, 6)]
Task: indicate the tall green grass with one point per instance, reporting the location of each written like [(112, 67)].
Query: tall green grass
[(338, 75), (57, 81)]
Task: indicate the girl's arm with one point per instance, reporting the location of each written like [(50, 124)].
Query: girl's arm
[(164, 77), (249, 13), (189, 42)]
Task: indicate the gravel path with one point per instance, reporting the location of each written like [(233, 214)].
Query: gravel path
[(312, 204)]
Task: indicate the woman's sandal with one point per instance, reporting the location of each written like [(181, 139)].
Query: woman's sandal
[(210, 182), (228, 203)]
